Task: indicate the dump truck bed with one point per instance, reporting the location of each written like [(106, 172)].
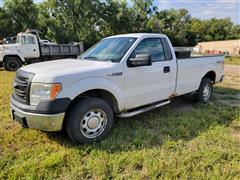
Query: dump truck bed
[(61, 49)]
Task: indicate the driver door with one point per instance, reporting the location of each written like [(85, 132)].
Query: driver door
[(29, 47), (149, 84)]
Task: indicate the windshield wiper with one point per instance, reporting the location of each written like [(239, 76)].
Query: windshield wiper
[(90, 57)]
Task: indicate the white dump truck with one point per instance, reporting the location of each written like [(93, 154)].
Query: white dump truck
[(122, 76), (29, 48)]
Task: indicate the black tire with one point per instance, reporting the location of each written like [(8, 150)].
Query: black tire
[(12, 63), (78, 120), (200, 95)]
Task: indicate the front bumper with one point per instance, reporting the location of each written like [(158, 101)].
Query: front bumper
[(1, 59), (44, 122)]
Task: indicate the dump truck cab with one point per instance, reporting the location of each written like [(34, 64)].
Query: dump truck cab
[(28, 45)]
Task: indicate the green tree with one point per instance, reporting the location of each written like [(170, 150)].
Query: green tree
[(115, 18), (218, 29), (21, 15), (71, 20), (5, 25), (235, 32), (65, 20), (212, 29), (89, 21), (174, 23), (143, 10)]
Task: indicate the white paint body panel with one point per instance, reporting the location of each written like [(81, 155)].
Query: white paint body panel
[(11, 49), (146, 84), (192, 70), (136, 86), (30, 50)]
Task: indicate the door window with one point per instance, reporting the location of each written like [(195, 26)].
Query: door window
[(30, 40), (167, 49), (151, 46), (27, 40), (23, 40)]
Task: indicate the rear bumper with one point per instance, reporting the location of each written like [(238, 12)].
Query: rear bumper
[(44, 122)]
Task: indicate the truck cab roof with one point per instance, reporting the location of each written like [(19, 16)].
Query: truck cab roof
[(23, 33), (138, 35)]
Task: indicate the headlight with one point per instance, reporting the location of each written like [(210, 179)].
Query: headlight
[(42, 91)]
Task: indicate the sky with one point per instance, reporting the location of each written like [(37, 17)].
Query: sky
[(203, 9)]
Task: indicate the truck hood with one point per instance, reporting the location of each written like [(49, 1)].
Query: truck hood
[(9, 46), (59, 69)]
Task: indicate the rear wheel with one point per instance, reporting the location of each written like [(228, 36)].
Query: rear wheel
[(90, 120), (12, 63), (205, 91)]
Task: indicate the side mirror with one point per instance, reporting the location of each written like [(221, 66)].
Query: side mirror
[(141, 60)]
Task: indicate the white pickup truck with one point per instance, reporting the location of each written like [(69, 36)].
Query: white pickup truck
[(30, 48), (122, 76)]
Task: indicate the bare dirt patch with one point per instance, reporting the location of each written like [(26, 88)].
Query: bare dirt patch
[(183, 104)]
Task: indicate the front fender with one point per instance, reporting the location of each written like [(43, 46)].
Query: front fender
[(13, 53), (75, 89)]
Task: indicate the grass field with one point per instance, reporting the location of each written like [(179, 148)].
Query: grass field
[(182, 140), (232, 60)]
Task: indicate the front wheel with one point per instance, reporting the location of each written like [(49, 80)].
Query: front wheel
[(12, 63), (205, 91), (90, 120)]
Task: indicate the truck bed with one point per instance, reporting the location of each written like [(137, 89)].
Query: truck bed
[(192, 69)]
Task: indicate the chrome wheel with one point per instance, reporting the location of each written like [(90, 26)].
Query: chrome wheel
[(207, 92), (93, 123)]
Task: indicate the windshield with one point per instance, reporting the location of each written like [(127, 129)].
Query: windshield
[(111, 49), (9, 40)]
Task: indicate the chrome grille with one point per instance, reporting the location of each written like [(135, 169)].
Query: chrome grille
[(21, 86)]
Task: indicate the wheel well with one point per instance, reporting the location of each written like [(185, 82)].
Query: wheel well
[(100, 93), (211, 75), (7, 56)]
